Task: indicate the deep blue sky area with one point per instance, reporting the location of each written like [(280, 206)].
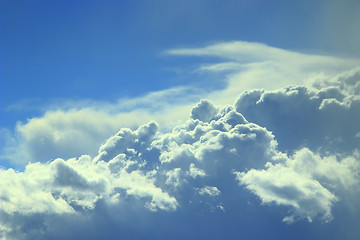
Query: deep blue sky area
[(111, 49)]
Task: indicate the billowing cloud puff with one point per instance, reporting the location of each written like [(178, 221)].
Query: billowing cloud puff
[(279, 148), (324, 117), (71, 128), (302, 182)]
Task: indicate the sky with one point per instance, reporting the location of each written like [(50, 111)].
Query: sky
[(179, 119)]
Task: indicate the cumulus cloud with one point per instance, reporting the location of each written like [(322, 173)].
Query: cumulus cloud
[(211, 191), (302, 182), (279, 153), (74, 132), (159, 171), (322, 117), (73, 128), (207, 167)]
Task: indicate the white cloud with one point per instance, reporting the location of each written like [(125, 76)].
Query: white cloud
[(286, 187), (303, 182), (72, 133), (130, 166), (204, 111), (195, 172), (330, 170), (208, 190), (250, 52), (192, 167), (72, 128), (295, 147), (325, 117), (247, 65), (20, 193)]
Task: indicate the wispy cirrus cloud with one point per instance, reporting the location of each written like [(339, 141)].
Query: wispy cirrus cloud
[(248, 65)]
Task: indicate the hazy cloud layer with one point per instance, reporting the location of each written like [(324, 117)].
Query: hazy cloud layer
[(249, 65)]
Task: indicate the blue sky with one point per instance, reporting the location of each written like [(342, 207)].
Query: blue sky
[(179, 119), (72, 49)]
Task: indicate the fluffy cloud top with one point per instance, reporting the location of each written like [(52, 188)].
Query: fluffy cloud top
[(323, 117), (296, 149)]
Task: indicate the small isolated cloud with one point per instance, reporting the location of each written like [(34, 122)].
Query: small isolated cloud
[(211, 191), (220, 158)]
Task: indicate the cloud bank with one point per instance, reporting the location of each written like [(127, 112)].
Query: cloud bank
[(295, 149), (281, 157)]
